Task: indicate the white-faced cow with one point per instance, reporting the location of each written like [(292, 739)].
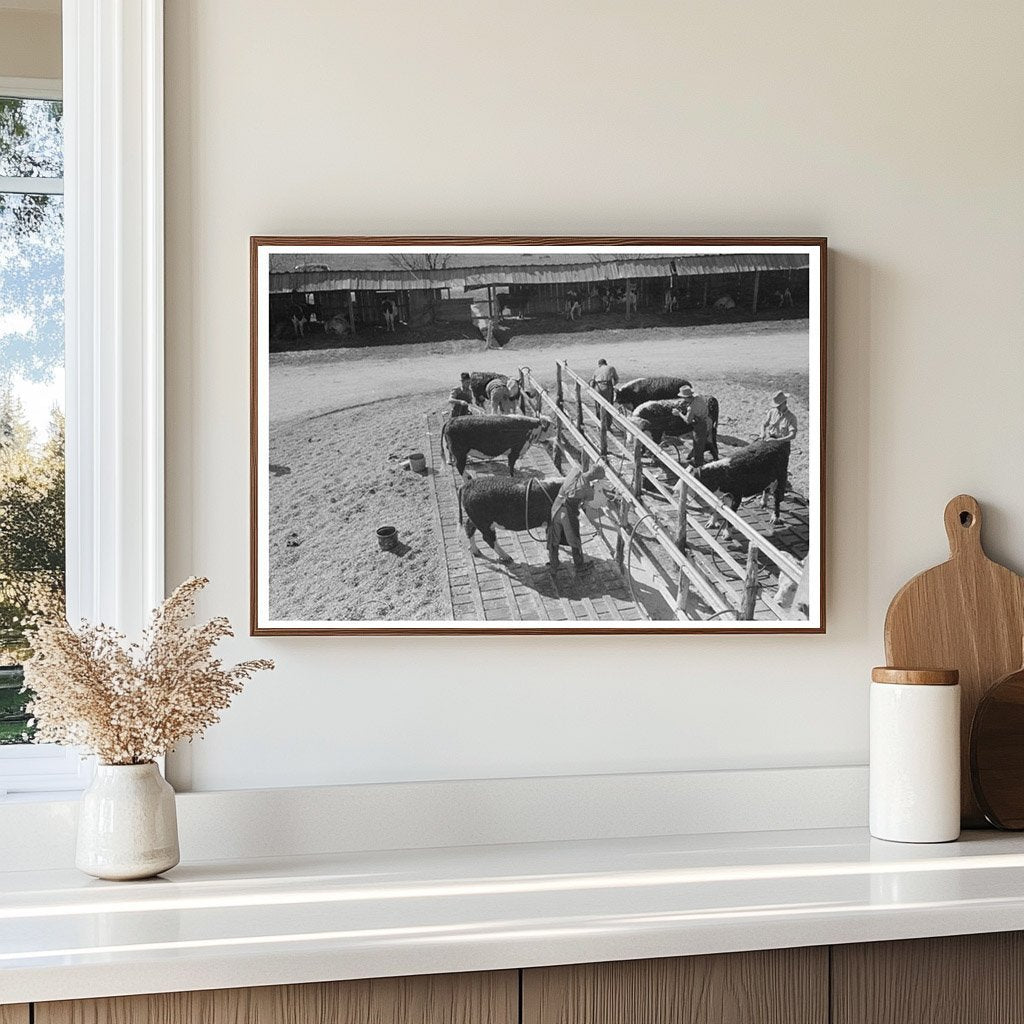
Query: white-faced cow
[(648, 389), (492, 436), (755, 469)]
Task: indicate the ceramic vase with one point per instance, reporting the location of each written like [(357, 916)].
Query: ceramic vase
[(127, 825)]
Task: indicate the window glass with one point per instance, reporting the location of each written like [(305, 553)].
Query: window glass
[(31, 138), (31, 389)]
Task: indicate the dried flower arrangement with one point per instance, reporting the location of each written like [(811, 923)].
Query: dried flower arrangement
[(130, 703)]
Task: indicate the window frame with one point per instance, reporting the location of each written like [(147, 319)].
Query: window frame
[(112, 89)]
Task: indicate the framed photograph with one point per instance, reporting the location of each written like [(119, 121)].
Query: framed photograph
[(537, 435)]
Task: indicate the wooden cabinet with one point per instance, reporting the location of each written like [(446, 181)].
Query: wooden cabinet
[(491, 998), (779, 986), (968, 979), (962, 979)]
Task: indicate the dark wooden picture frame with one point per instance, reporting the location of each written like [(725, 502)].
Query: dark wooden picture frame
[(739, 596)]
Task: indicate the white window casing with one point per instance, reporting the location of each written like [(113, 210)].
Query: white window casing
[(114, 322)]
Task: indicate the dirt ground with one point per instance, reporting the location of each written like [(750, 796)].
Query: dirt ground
[(343, 421)]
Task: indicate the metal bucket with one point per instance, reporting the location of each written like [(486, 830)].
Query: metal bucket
[(417, 462), (387, 538)]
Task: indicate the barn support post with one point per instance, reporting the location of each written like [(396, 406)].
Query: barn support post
[(352, 311), (684, 492), (579, 407), (750, 584), (757, 285), (490, 315), (638, 469), (704, 301), (559, 393)]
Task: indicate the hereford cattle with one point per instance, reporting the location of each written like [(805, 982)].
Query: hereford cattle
[(659, 419), (760, 466), (648, 389), (493, 436), (490, 501)]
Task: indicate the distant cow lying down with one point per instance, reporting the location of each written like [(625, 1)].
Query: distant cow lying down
[(755, 469), (492, 436), (490, 501)]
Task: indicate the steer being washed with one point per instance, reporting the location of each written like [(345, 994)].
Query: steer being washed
[(512, 504), (648, 389), (515, 505), (493, 436), (659, 419), (761, 466)]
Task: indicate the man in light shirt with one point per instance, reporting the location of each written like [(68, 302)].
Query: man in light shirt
[(603, 382), (780, 421)]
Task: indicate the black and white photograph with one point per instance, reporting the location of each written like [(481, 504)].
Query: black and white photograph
[(542, 435)]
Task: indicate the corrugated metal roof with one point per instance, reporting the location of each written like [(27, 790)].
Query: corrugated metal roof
[(384, 272)]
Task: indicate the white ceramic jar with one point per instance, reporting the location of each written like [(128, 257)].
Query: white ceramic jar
[(127, 823), (915, 755)]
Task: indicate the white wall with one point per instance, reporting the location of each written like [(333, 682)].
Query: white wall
[(895, 129)]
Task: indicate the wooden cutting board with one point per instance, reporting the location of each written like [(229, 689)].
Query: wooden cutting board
[(967, 614)]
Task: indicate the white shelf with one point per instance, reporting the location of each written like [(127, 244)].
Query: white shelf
[(354, 915)]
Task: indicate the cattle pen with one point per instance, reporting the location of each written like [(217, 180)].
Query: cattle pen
[(698, 575), (656, 559)]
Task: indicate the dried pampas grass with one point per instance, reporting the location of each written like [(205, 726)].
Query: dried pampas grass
[(129, 703)]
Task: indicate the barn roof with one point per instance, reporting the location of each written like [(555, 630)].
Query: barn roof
[(312, 272)]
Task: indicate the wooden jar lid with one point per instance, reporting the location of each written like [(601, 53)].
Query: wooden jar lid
[(916, 676)]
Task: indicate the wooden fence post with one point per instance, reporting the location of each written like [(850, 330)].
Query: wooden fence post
[(579, 407), (681, 516), (620, 538), (682, 592), (559, 396), (638, 469), (604, 434), (557, 454), (750, 584)]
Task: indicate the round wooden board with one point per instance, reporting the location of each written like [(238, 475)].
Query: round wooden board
[(997, 752)]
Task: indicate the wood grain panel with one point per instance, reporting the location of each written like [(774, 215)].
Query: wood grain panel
[(483, 998), (962, 979), (967, 614), (779, 986), (14, 1014)]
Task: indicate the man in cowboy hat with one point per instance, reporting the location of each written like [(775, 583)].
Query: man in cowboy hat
[(779, 420), (693, 409), (575, 494)]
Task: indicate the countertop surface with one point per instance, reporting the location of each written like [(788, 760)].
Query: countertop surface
[(355, 915)]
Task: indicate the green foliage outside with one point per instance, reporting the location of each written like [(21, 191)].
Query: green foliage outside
[(32, 552), (31, 350)]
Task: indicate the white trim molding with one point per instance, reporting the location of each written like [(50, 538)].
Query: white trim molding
[(114, 326), (31, 88), (113, 115)]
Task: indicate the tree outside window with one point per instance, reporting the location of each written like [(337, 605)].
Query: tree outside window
[(32, 549)]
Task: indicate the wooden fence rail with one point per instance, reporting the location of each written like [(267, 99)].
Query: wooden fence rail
[(694, 570)]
